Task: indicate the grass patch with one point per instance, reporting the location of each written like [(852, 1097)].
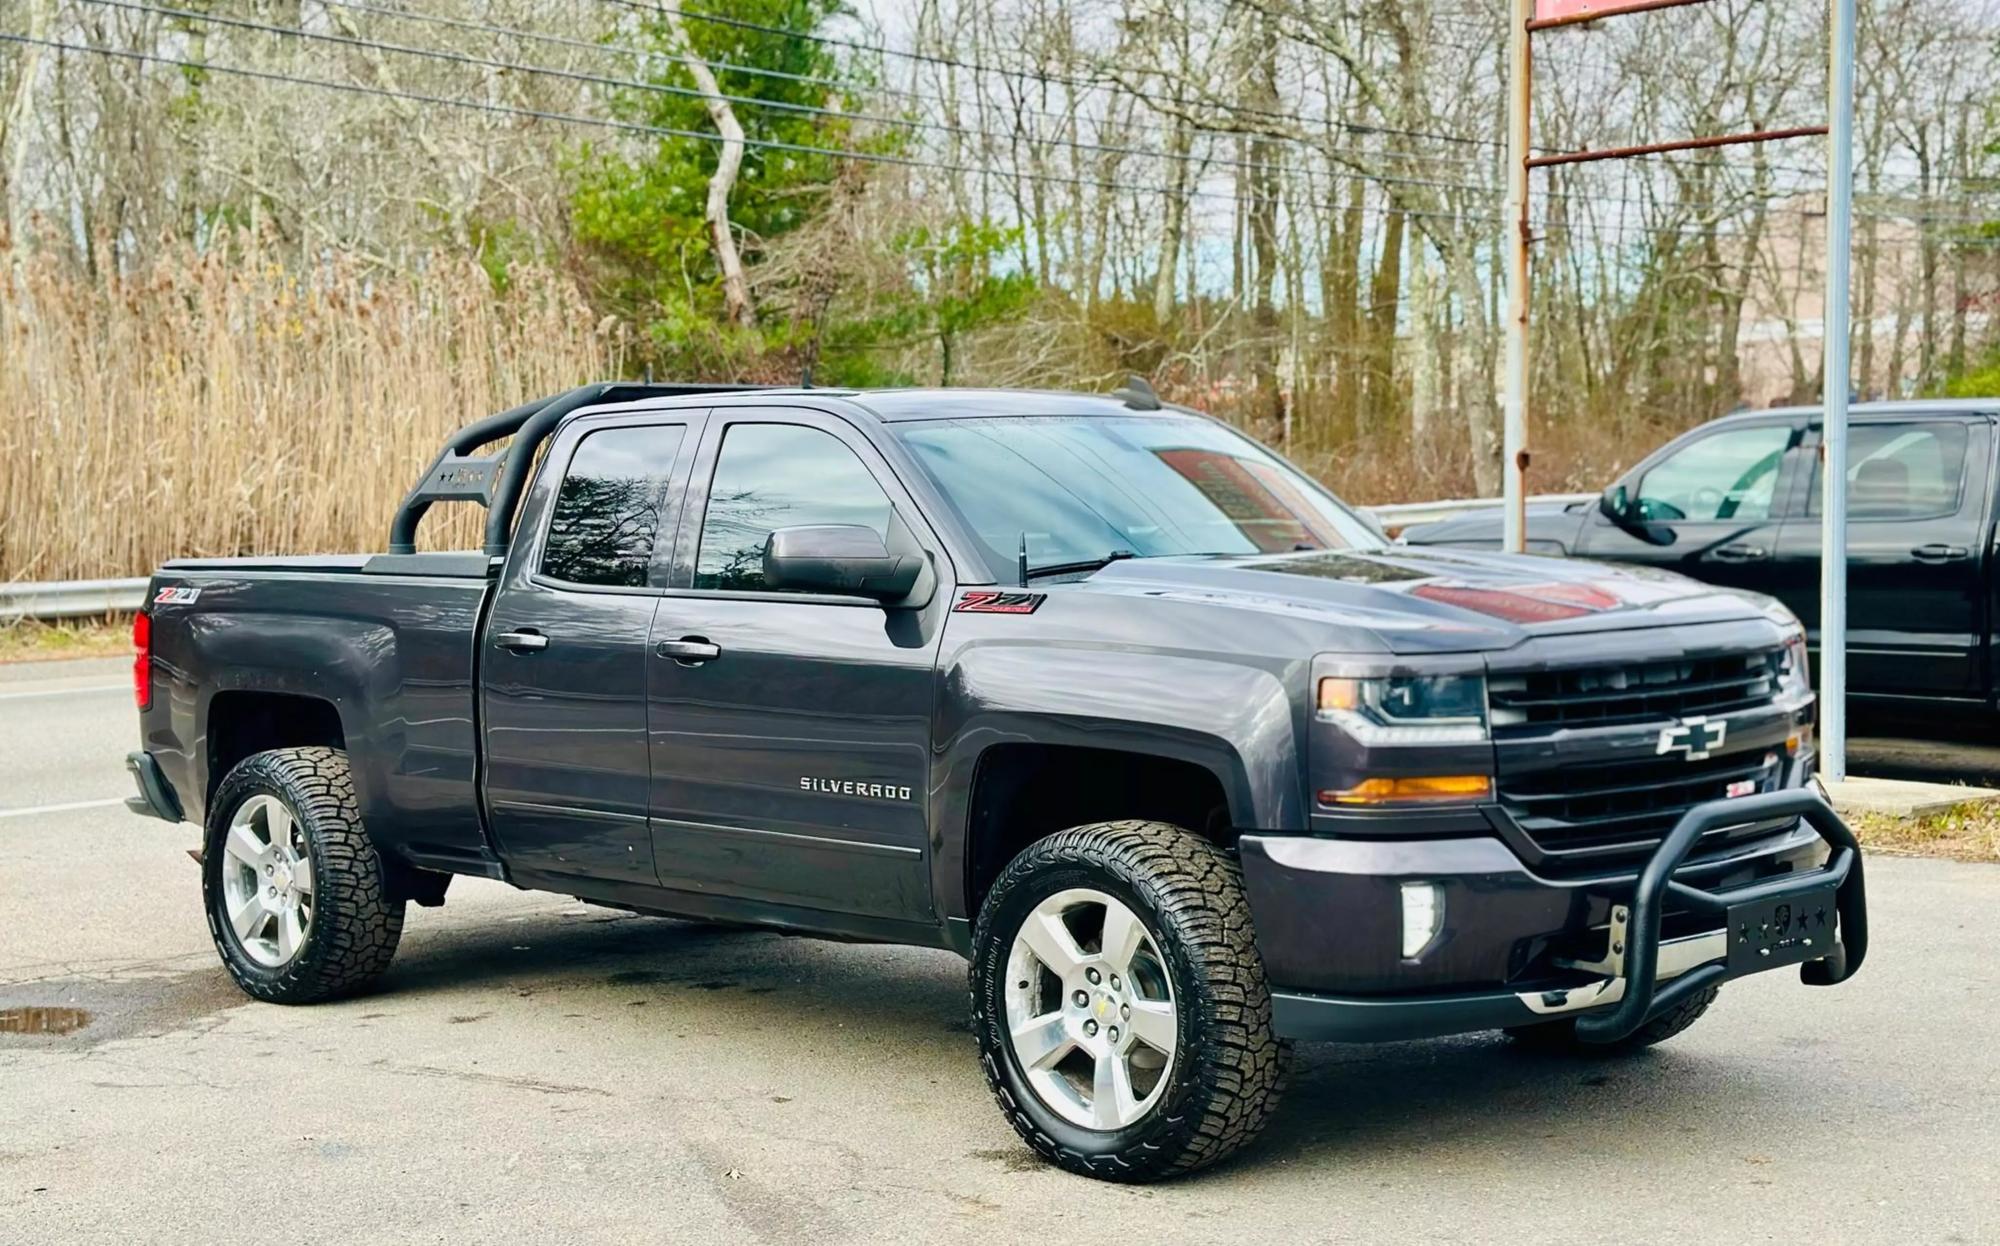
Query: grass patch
[(1962, 833), (33, 640)]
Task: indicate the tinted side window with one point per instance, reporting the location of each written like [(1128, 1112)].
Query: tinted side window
[(1726, 475), (611, 506), (772, 476), (1900, 471)]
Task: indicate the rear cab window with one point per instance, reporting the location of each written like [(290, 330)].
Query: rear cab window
[(611, 508), (1900, 471)]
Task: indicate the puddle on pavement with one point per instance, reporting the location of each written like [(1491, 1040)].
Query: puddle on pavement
[(42, 1020)]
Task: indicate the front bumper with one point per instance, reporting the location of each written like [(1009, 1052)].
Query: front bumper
[(1517, 949)]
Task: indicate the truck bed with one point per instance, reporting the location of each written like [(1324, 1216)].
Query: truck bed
[(388, 640)]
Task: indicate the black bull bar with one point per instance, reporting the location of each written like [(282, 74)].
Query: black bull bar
[(1644, 997)]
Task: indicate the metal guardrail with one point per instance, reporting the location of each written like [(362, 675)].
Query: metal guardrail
[(1397, 516), (76, 599), (71, 599)]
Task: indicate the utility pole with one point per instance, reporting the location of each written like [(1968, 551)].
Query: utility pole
[(1514, 222), (1833, 395)]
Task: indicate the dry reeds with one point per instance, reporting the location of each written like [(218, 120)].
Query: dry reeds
[(226, 403)]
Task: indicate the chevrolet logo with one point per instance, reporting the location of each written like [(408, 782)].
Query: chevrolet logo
[(1694, 736)]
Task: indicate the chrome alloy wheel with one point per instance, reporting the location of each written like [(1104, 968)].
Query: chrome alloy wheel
[(267, 881), (1090, 1009)]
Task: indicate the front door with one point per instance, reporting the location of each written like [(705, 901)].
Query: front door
[(1712, 507), (791, 732), (564, 666), (1916, 551)]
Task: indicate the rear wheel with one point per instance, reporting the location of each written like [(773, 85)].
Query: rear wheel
[(292, 884), (1120, 1005), (1561, 1036)]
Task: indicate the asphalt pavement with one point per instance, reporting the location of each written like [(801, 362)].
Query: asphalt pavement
[(535, 1069)]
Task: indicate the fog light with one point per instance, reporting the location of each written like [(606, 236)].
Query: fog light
[(1423, 916)]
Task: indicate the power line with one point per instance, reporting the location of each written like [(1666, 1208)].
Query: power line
[(1043, 77), (752, 101), (1198, 161), (537, 114), (1347, 126), (857, 87), (1080, 83)]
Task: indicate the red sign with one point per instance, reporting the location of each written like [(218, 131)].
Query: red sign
[(1584, 10)]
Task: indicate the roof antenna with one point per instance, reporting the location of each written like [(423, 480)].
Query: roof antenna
[(649, 374), (1024, 558), (806, 378), (1137, 394)]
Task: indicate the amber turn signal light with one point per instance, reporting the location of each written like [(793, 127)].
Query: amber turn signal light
[(1411, 789)]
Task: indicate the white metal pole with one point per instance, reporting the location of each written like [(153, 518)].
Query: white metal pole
[(1833, 443), (1514, 222)]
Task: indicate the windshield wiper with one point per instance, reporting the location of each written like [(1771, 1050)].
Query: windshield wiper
[(1068, 568)]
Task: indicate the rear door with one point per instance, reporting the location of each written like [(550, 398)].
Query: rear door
[(565, 658), (1917, 551), (1711, 506), (791, 766)]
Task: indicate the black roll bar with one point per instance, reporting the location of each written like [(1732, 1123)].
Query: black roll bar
[(496, 481), (1644, 998)]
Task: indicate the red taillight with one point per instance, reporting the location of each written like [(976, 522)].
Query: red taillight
[(142, 659)]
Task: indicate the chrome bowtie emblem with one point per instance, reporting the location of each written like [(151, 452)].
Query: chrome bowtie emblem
[(1694, 736)]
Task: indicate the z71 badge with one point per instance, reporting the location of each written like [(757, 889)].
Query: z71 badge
[(176, 595), (993, 601)]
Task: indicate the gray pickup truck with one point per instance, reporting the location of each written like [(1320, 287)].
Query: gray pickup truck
[(1094, 691)]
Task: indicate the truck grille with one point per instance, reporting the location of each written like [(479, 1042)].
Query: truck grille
[(1530, 702), (1609, 808)]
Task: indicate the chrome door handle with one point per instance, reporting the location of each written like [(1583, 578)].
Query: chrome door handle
[(1937, 551), (689, 650), (1738, 553), (522, 642)]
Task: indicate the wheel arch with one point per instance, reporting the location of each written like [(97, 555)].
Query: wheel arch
[(1026, 791), (1168, 723), (242, 722)]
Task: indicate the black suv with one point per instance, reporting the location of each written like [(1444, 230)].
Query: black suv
[(1099, 693)]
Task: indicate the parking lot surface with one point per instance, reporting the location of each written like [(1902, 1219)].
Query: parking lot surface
[(536, 1069)]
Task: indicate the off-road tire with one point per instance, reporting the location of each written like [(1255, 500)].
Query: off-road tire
[(1561, 1037), (1227, 1076), (355, 924)]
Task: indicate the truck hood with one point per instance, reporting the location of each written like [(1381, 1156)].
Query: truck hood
[(1418, 600)]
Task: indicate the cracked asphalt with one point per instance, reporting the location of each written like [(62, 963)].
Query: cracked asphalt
[(536, 1069)]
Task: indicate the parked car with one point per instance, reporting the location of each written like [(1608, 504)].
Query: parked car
[(1736, 503), (1100, 694)]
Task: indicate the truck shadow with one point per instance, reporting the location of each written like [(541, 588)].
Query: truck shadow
[(1475, 1099)]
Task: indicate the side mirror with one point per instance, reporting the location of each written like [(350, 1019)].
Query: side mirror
[(845, 559), (1617, 506)]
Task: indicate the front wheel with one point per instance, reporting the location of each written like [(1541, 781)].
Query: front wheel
[(292, 883), (1120, 1005)]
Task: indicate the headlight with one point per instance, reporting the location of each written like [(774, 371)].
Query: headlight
[(1795, 668), (1407, 709)]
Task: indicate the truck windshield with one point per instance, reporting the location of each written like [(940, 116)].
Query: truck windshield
[(1083, 489)]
